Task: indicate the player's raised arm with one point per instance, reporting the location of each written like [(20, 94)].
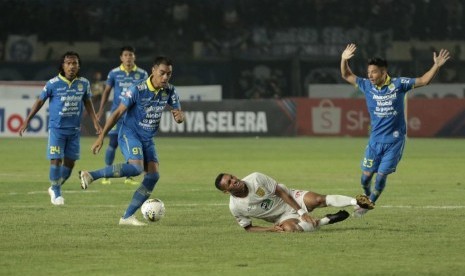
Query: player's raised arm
[(346, 72), (439, 61)]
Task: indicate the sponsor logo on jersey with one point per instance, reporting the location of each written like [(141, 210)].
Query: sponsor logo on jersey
[(124, 84), (266, 204)]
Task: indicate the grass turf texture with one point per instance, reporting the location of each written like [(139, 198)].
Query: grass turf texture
[(416, 228)]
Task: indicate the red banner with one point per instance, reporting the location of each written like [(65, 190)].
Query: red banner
[(349, 117)]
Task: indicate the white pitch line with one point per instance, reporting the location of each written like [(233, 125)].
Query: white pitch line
[(67, 192), (226, 204), (422, 207)]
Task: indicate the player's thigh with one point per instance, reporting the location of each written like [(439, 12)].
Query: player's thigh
[(307, 200), (314, 200), (391, 158), (288, 214), (73, 146), (150, 152), (56, 144), (371, 158), (131, 147)]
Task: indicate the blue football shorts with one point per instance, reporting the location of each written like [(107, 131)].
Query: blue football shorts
[(134, 148), (63, 143), (382, 157)]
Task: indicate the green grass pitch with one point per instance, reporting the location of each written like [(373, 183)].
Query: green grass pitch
[(417, 227)]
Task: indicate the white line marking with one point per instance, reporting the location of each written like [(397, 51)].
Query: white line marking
[(422, 207), (224, 204)]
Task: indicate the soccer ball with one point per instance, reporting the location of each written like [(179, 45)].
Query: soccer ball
[(153, 209)]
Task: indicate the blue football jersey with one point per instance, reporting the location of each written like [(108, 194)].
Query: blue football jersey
[(145, 106), (66, 101), (120, 80), (386, 107)]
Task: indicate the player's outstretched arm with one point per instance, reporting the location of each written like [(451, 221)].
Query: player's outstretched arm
[(275, 228), (439, 61), (346, 72)]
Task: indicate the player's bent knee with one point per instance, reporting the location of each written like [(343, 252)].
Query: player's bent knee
[(314, 200), (132, 169)]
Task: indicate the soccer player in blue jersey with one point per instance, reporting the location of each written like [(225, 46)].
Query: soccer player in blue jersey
[(142, 106), (119, 79), (67, 94), (385, 102)]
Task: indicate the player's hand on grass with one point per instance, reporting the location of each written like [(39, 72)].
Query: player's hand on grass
[(278, 228), (349, 52)]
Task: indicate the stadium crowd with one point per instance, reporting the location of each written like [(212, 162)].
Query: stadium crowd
[(274, 48), (235, 27)]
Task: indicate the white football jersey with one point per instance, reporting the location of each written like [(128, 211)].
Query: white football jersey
[(261, 202)]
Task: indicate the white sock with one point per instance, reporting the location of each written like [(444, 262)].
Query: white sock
[(340, 201)]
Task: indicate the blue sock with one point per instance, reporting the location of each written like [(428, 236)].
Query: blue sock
[(65, 173), (54, 176), (117, 170), (366, 183), (380, 183), (142, 193)]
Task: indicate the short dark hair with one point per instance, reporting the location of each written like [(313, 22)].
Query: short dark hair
[(62, 60), (162, 60), (377, 61), (127, 48), (218, 181)]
